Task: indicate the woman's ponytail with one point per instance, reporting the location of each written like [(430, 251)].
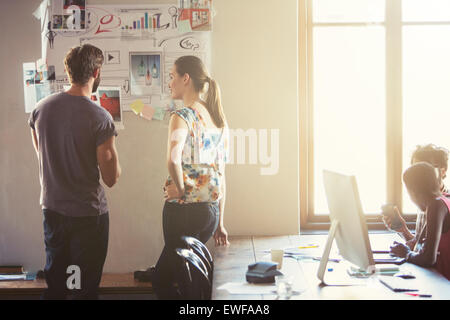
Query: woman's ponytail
[(214, 104)]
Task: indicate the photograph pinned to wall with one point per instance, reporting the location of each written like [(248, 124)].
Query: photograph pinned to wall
[(109, 99), (35, 84), (197, 13), (68, 15), (146, 73), (29, 74)]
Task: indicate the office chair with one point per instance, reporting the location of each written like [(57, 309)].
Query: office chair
[(195, 284), (202, 251)]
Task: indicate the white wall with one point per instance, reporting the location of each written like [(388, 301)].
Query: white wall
[(254, 58)]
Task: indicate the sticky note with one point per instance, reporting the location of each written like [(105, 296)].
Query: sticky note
[(147, 112), (159, 113), (137, 106), (184, 26)]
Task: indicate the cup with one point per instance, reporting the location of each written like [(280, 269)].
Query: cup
[(284, 287), (277, 256)]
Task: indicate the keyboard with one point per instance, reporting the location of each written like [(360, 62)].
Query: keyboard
[(386, 258)]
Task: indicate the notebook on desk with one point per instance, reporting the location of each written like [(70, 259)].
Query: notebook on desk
[(397, 284)]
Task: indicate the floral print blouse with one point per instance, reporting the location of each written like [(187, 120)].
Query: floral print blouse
[(203, 159)]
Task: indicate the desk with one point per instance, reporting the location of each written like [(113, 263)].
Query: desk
[(231, 265)]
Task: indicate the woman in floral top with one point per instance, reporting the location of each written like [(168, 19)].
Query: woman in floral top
[(196, 156)]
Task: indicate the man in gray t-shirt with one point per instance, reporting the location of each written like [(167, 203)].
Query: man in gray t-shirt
[(74, 138), (70, 128)]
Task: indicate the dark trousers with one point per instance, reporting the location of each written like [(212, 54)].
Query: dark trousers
[(198, 220), (80, 242)]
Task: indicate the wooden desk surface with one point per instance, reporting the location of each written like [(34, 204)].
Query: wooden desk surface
[(231, 265)]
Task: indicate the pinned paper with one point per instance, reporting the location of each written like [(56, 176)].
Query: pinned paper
[(29, 75), (159, 113), (184, 26), (137, 106), (40, 11), (147, 112)]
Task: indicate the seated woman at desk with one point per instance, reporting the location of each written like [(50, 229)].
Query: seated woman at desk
[(423, 185), (438, 158)]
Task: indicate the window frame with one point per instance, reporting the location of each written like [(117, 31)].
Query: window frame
[(394, 108)]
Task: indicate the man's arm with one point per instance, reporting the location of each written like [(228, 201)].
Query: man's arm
[(108, 162), (35, 141)]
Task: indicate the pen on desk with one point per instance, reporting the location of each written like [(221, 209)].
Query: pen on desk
[(308, 246), (420, 295), (329, 259)]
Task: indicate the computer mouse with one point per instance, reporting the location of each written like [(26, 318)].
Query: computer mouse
[(405, 276)]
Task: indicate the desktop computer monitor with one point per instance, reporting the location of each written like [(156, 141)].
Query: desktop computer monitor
[(348, 223)]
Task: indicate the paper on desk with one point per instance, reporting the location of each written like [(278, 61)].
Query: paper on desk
[(10, 277), (248, 288), (300, 250)]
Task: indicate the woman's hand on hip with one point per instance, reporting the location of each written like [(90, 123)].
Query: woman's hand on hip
[(171, 192)]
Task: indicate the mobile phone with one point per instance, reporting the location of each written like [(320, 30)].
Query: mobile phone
[(389, 211)]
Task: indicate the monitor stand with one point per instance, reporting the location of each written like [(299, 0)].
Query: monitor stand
[(335, 278)]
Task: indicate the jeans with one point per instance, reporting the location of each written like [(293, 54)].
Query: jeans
[(80, 241), (198, 220)]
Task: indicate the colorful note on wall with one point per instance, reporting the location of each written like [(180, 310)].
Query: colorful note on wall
[(159, 113), (147, 112), (137, 106)]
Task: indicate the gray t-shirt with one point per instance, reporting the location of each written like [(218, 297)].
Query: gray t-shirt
[(69, 129)]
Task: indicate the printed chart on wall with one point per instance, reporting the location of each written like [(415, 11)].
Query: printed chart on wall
[(140, 43)]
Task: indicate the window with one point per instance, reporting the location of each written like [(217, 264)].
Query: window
[(374, 78)]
